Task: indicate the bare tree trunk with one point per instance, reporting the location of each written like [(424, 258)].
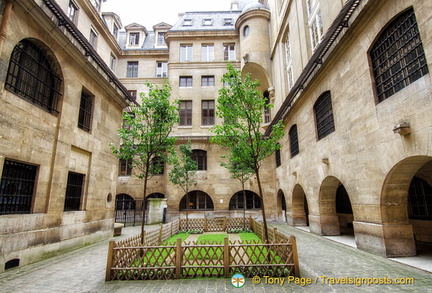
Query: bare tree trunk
[(265, 240), (144, 204)]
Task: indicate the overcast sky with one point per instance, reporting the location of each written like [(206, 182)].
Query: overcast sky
[(149, 13)]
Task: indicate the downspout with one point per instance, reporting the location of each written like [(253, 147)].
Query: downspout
[(5, 22)]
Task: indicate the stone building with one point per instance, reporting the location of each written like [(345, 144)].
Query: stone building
[(60, 106), (350, 79)]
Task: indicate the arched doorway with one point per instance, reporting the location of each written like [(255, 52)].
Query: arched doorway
[(281, 207), (335, 208), (406, 206), (299, 208), (127, 210)]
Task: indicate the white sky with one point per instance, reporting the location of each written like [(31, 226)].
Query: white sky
[(150, 13)]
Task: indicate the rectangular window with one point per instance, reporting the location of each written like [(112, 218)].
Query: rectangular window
[(133, 94), (132, 69), (161, 39), (115, 31), (207, 22), (228, 21), (162, 69), (134, 39), (185, 81), (315, 22), (207, 80), (187, 22), (185, 53), (17, 188), (125, 167), (72, 11), (207, 52), (113, 61), (85, 111), (229, 52), (185, 113), (74, 190), (278, 158), (208, 112), (289, 69), (93, 37)]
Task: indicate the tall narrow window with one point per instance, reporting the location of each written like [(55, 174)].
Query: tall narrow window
[(185, 113), (398, 58), (158, 166), (17, 188), (207, 52), (115, 31), (315, 22), (267, 114), (72, 11), (324, 115), (185, 53), (134, 39), (293, 137), (200, 157), (185, 81), (161, 39), (208, 112), (31, 76), (289, 67), (229, 52), (113, 61), (161, 69), (132, 69), (74, 191), (278, 158), (93, 37), (85, 111), (420, 200)]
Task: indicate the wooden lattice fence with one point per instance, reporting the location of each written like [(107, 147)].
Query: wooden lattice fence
[(128, 260)]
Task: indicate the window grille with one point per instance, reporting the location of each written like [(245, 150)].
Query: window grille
[(200, 157), (185, 113), (31, 76), (85, 113), (420, 200), (294, 145), (74, 190), (237, 201), (17, 188), (198, 200), (397, 56), (324, 115)]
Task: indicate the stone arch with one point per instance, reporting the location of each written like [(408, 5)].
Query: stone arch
[(329, 216), (198, 201), (400, 231), (281, 206), (299, 207), (258, 72), (253, 201)]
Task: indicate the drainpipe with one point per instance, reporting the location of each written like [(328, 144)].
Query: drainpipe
[(5, 21)]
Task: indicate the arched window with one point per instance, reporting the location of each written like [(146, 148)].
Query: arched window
[(293, 136), (31, 76), (324, 115), (200, 157), (125, 202), (237, 201), (420, 200), (397, 56), (198, 200)]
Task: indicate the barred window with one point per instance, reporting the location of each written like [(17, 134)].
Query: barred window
[(278, 158), (31, 76), (293, 136), (74, 191), (238, 201), (198, 200), (324, 115), (200, 157), (185, 113), (397, 56), (17, 188), (85, 112), (420, 200)]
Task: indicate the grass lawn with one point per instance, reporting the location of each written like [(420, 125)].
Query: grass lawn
[(249, 237), (212, 238), (182, 235)]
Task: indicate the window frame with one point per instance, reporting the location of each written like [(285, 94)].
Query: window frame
[(86, 111), (186, 53), (207, 52), (72, 11), (185, 81), (323, 110), (294, 143), (132, 69), (200, 157), (185, 114), (207, 80), (71, 202), (125, 167), (207, 112), (161, 69)]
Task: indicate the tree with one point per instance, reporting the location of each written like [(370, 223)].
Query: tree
[(241, 171), (145, 137), (183, 172), (242, 106)]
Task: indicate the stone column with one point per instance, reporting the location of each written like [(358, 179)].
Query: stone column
[(155, 210)]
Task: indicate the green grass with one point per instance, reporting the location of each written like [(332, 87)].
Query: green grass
[(182, 235), (249, 237), (212, 238)]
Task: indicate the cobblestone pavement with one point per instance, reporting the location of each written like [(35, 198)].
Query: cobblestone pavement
[(321, 260)]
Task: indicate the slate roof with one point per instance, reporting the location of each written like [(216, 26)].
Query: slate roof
[(195, 21)]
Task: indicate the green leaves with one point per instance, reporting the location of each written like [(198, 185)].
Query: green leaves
[(184, 167)]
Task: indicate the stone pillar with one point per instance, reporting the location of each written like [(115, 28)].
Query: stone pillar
[(155, 210), (5, 22)]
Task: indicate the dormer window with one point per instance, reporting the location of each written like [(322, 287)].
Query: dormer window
[(207, 22), (228, 21), (161, 39), (134, 39), (187, 22), (115, 31)]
